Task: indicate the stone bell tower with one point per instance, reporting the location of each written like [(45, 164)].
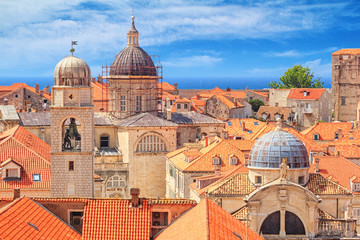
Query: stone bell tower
[(72, 130)]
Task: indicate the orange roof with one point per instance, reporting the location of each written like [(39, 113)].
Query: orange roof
[(264, 94), (228, 102), (113, 219), (348, 151), (326, 131), (350, 139), (166, 86), (26, 219), (271, 111), (313, 93), (222, 148), (235, 94), (244, 128), (183, 100), (339, 168), (351, 51), (15, 86), (166, 95), (198, 102), (208, 221), (31, 152)]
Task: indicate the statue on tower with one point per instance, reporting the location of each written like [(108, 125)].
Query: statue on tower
[(71, 133), (283, 169)]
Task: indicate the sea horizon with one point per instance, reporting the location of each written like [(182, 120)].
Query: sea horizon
[(183, 82)]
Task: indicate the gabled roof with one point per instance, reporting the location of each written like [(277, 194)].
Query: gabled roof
[(339, 168), (313, 93), (228, 102), (348, 151), (192, 118), (222, 148), (245, 128), (15, 86), (114, 219), (320, 185), (31, 152), (145, 120), (183, 100), (350, 139), (206, 221), (351, 51), (26, 219), (327, 130), (8, 112), (166, 86)]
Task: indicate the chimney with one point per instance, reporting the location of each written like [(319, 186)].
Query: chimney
[(228, 89), (244, 129), (175, 85), (16, 193), (206, 141), (46, 90), (93, 79), (134, 192), (217, 170), (36, 87), (6, 101), (338, 153), (99, 79), (246, 88), (317, 161)]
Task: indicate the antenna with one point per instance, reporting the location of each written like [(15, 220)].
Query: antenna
[(72, 49)]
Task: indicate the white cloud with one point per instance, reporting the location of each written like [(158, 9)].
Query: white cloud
[(319, 68), (295, 53), (192, 61)]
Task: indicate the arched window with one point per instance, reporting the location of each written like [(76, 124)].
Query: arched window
[(151, 143), (104, 141), (116, 181)]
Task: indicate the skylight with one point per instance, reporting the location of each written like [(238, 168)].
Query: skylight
[(256, 123)]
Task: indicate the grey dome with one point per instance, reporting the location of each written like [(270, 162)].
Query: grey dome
[(72, 71), (269, 150), (133, 60)]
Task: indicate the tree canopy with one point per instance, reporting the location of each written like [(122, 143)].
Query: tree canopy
[(256, 104), (298, 77)]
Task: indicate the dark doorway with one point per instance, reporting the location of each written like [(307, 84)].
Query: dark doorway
[(293, 224), (271, 224)]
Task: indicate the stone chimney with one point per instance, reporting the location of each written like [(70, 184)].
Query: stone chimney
[(134, 192), (16, 193), (228, 89), (93, 79), (317, 161), (46, 90), (37, 88)]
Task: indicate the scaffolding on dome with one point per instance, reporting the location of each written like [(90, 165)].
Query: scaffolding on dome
[(133, 89)]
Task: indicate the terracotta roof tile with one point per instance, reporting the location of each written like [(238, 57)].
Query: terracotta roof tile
[(338, 167), (113, 219), (166, 86), (313, 93), (183, 100), (228, 102), (212, 222), (352, 51), (350, 139), (320, 185), (245, 128), (348, 151), (241, 213), (7, 89), (26, 219), (31, 152), (100, 96), (326, 131), (272, 111)]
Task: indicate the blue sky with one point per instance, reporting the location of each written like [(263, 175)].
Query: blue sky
[(194, 39)]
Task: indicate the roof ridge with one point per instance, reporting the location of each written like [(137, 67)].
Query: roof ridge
[(7, 206)]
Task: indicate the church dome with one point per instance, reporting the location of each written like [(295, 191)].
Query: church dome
[(72, 71), (133, 60), (269, 150)]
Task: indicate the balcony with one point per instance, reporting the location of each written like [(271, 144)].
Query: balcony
[(336, 228), (307, 110)]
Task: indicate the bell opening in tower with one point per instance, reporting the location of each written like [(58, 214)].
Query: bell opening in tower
[(71, 133)]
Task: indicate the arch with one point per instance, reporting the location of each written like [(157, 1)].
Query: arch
[(151, 142), (71, 136), (115, 181), (293, 224)]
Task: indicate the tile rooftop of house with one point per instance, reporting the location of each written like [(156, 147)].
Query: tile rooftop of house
[(326, 130), (212, 222), (26, 219), (312, 93)]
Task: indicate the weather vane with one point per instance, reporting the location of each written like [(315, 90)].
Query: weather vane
[(72, 49)]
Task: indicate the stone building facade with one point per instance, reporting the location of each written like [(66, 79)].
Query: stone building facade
[(72, 130), (346, 84), (278, 97)]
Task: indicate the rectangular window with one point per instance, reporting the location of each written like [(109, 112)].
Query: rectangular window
[(258, 180), (138, 104), (301, 180), (178, 106), (71, 165), (343, 101), (76, 218), (233, 161), (104, 141), (123, 103), (36, 177), (11, 172), (160, 219), (216, 161), (185, 106), (316, 136)]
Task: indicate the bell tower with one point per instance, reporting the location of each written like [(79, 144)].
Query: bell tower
[(72, 130)]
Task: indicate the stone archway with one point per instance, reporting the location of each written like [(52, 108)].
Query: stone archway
[(293, 224)]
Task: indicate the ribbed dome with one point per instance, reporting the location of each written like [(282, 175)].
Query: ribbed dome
[(134, 61), (72, 71), (269, 150)]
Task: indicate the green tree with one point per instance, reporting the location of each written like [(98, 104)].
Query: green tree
[(256, 104), (297, 77)]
